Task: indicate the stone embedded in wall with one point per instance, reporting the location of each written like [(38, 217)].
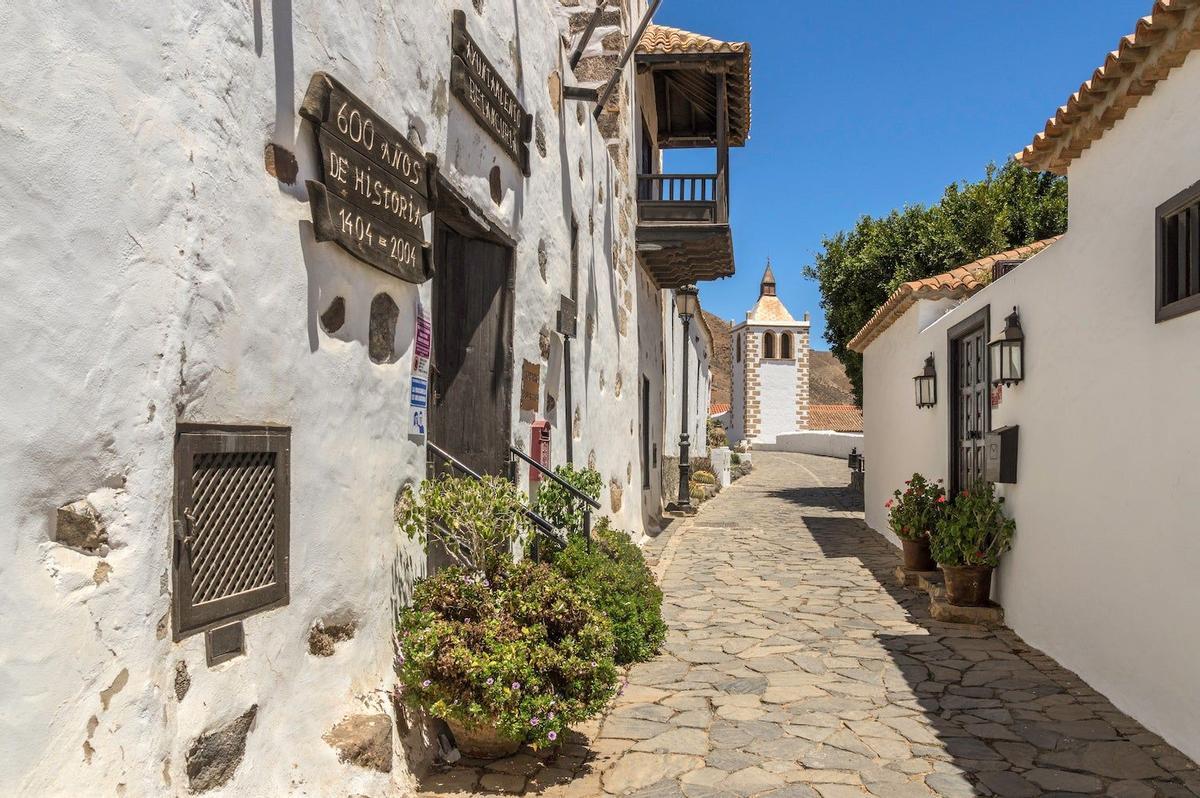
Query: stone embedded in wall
[(183, 680), (323, 638), (597, 68), (577, 425), (79, 526), (618, 384), (214, 757), (580, 21), (616, 495), (381, 346), (363, 740), (118, 684), (616, 40), (478, 6), (280, 164), (543, 259), (580, 115), (554, 89), (544, 341), (334, 316), (539, 136), (592, 459), (100, 575)]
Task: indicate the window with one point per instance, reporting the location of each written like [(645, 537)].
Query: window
[(785, 346), (1177, 289), (768, 345), (230, 548)]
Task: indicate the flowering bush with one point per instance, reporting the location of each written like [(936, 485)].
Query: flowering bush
[(913, 512), (614, 578), (476, 521), (519, 650), (973, 530)]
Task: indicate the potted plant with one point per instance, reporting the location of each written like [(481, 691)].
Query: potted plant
[(512, 658), (504, 652), (912, 514), (967, 542)]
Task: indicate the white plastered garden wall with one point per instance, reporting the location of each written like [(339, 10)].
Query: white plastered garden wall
[(154, 274), (819, 442), (1103, 573)]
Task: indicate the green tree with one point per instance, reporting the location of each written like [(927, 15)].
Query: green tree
[(858, 269)]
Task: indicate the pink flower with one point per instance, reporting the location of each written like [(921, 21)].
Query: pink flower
[(552, 736), (516, 685), (426, 683), (888, 504), (491, 681), (941, 500), (550, 716), (534, 721)]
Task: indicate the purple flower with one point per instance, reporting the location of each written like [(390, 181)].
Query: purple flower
[(552, 736), (550, 716), (491, 681), (516, 685), (534, 721), (426, 683), (486, 583)]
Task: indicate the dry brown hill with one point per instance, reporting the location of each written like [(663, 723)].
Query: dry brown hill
[(827, 380)]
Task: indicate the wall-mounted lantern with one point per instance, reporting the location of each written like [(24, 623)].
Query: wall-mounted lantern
[(926, 384), (1008, 352)]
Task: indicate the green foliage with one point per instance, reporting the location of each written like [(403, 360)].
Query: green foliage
[(477, 521), (614, 578), (696, 492), (973, 529), (520, 650), (913, 512), (716, 434), (558, 506), (735, 458), (858, 269), (704, 477)]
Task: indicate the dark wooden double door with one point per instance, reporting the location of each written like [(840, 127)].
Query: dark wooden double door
[(970, 410), (471, 375)]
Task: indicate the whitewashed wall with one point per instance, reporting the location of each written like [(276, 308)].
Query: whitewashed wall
[(699, 385), (1103, 574), (818, 442), (154, 274), (778, 399)]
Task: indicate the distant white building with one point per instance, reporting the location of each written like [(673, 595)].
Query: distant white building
[(770, 369)]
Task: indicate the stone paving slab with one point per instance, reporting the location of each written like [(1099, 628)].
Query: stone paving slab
[(796, 667)]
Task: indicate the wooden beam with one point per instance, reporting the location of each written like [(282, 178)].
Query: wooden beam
[(722, 149)]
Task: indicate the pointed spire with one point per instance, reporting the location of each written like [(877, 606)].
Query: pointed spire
[(767, 288)]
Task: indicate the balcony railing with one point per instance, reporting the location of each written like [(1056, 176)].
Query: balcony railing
[(682, 198)]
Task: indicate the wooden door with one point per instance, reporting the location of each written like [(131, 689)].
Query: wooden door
[(470, 414), (970, 416)]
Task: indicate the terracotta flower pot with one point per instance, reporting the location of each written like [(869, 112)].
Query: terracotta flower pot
[(917, 556), (481, 742), (968, 585)]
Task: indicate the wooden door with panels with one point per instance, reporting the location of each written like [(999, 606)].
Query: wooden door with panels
[(970, 408)]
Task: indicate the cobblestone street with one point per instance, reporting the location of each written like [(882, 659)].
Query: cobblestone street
[(796, 668)]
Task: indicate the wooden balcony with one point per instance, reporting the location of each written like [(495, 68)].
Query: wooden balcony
[(683, 230)]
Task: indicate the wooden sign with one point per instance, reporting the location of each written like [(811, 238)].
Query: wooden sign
[(476, 82), (372, 198), (531, 381)]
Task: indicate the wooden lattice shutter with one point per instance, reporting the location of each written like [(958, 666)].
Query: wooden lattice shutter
[(231, 539)]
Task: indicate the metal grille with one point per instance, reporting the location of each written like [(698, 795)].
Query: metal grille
[(233, 524)]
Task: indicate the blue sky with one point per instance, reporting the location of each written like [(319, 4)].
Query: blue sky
[(862, 107)]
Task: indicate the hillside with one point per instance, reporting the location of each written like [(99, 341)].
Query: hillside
[(827, 380)]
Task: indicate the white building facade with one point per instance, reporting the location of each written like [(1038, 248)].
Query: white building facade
[(1102, 574), (199, 321), (770, 370)]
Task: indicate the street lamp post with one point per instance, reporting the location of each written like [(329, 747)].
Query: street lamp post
[(687, 303)]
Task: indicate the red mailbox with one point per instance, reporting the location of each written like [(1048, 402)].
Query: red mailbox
[(539, 439)]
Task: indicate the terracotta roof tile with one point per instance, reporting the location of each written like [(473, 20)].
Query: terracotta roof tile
[(838, 418), (955, 284), (717, 408), (1159, 43), (769, 308)]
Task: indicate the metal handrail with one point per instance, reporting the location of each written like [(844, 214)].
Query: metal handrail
[(574, 491), (543, 526), (588, 502)]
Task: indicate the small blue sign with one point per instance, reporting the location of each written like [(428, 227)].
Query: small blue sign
[(420, 393)]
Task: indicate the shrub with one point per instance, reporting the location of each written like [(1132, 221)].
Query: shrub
[(519, 650), (914, 512), (614, 578), (558, 506), (973, 530), (735, 458), (704, 478), (716, 434), (477, 521), (696, 492)]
